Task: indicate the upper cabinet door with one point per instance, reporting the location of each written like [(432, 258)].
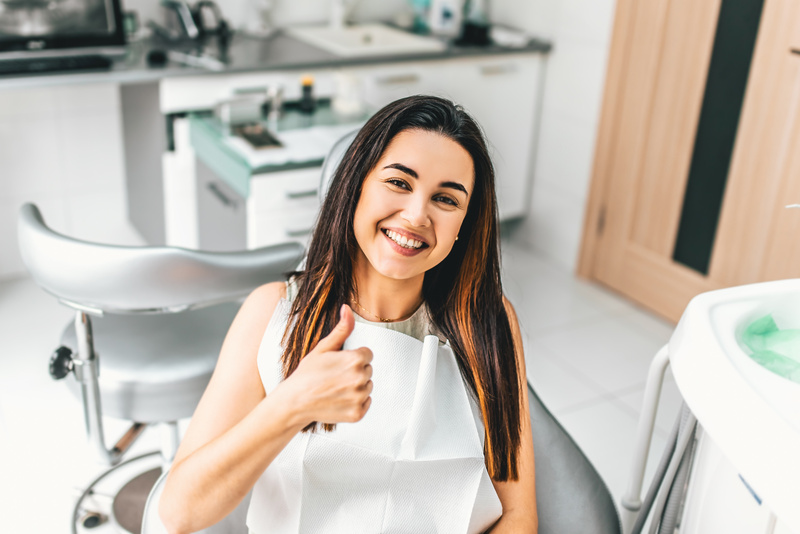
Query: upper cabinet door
[(694, 157), (502, 94), (386, 83)]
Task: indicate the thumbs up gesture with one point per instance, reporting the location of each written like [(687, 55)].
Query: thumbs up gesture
[(331, 385)]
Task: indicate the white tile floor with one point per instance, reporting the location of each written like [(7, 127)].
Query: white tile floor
[(587, 354)]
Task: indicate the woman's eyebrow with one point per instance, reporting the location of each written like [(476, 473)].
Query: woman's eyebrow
[(454, 185), (402, 168), (411, 172)]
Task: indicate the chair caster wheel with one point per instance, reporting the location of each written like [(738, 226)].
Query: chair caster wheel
[(93, 519)]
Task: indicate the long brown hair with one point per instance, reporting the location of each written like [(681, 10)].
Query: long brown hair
[(463, 292)]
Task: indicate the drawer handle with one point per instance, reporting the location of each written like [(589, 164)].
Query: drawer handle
[(222, 197), (495, 70), (292, 195), (299, 232), (398, 79)]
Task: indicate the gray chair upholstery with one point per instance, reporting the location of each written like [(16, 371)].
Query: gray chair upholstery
[(571, 498)]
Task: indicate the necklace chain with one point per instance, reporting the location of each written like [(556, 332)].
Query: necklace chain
[(383, 320)]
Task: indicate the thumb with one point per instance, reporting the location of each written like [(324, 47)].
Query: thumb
[(338, 335)]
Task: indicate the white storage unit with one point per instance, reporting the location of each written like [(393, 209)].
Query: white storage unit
[(500, 91), (282, 206)]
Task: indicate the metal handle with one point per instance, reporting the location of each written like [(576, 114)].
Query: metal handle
[(299, 232), (398, 79), (221, 196), (292, 195), (495, 70)]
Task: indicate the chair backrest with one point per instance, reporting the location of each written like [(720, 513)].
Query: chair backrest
[(332, 161), (570, 495), (122, 279)]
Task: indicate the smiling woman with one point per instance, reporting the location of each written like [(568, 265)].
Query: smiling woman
[(406, 213), (412, 416)]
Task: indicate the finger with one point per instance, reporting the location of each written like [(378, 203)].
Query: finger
[(365, 406), (365, 354), (368, 371), (338, 335)]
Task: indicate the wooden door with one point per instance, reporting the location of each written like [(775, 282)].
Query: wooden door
[(655, 93)]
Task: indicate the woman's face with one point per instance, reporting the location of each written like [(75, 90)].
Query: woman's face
[(412, 204)]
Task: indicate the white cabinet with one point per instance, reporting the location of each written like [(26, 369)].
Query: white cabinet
[(383, 84), (282, 206), (501, 93)]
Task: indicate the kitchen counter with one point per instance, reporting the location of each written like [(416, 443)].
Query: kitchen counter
[(244, 53)]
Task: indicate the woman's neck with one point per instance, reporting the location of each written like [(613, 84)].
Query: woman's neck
[(381, 298)]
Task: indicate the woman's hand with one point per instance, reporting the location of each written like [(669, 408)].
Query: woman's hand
[(331, 385)]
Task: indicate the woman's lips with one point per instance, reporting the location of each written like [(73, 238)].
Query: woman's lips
[(401, 249), (408, 235)]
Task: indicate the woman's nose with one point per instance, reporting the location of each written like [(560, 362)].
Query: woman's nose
[(416, 211)]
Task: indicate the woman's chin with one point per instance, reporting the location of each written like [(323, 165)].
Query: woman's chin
[(393, 271)]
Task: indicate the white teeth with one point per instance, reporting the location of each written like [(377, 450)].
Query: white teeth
[(403, 241)]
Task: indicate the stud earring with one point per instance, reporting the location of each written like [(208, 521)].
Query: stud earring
[(456, 238)]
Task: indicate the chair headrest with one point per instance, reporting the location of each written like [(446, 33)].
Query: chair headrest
[(121, 279), (332, 161)]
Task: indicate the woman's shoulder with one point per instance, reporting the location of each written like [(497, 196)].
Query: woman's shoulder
[(264, 299), (270, 293)]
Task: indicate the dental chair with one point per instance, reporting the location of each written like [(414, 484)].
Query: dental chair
[(149, 325), (571, 498)]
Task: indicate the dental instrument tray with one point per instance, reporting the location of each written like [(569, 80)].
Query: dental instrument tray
[(258, 136)]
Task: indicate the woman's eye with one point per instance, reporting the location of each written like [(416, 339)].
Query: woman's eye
[(446, 200), (398, 183)]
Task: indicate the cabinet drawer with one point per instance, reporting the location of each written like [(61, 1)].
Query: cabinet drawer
[(385, 84), (221, 215), (270, 228), (285, 191)]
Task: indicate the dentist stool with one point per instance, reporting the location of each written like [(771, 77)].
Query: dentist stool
[(148, 328)]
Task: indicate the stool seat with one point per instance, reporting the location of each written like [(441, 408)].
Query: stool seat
[(154, 368)]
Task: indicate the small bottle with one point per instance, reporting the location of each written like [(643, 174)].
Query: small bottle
[(307, 102)]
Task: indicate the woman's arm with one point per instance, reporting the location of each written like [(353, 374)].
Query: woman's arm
[(519, 496), (237, 430)]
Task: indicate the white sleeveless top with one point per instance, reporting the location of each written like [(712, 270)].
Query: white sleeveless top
[(413, 464)]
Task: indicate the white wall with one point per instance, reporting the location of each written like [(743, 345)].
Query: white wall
[(62, 147), (581, 34)]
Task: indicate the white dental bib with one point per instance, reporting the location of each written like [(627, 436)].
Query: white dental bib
[(413, 464)]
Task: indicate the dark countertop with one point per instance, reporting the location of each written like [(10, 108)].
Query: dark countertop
[(279, 51)]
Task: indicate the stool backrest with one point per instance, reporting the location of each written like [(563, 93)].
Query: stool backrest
[(332, 161), (123, 279)]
